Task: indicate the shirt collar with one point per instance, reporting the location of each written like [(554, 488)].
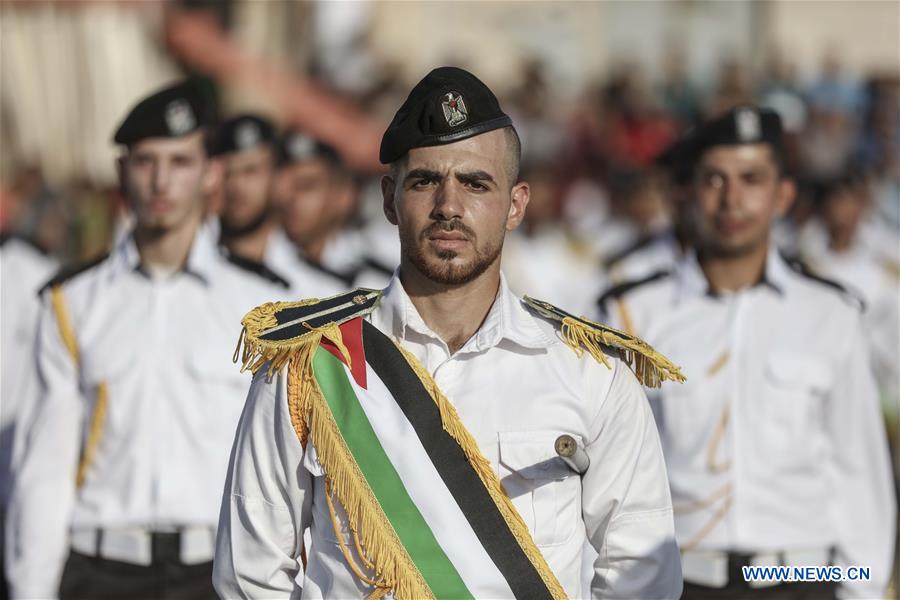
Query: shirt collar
[(507, 319), (201, 259), (691, 281)]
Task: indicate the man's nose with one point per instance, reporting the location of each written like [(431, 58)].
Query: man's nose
[(731, 194), (161, 175), (447, 201)]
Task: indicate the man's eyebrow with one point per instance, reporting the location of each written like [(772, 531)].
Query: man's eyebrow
[(710, 170), (422, 174), (475, 177)]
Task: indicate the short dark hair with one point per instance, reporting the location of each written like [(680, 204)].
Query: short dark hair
[(513, 154)]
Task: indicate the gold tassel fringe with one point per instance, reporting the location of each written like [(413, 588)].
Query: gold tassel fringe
[(256, 351), (312, 420), (650, 367), (394, 567)]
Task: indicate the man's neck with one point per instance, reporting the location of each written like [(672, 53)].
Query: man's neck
[(314, 249), (251, 245), (167, 249), (840, 240), (453, 312), (734, 272)]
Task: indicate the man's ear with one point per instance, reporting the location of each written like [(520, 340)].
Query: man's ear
[(388, 186), (520, 195), (787, 192)]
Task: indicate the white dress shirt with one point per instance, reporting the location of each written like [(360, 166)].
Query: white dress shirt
[(163, 347), (775, 443), (23, 270), (516, 387), (660, 253), (875, 279), (306, 279)]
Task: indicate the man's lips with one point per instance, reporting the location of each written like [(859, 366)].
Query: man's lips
[(448, 240), (448, 236), (161, 205), (730, 225)]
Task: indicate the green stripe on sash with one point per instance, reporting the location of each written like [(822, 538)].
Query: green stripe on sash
[(414, 533)]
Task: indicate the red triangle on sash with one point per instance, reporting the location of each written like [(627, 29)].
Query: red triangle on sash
[(351, 332)]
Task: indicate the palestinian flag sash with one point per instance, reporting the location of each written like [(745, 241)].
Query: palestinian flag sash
[(427, 514)]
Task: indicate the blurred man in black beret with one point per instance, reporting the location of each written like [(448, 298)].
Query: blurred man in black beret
[(127, 438), (312, 184), (775, 446), (246, 146), (493, 436)]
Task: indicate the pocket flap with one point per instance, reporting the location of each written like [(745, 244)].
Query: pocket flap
[(532, 454), (799, 371)]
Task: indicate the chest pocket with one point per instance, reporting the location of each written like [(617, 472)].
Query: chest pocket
[(796, 389), (545, 491), (221, 387)]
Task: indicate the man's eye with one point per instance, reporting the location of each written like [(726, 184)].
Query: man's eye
[(477, 186), (422, 183), (752, 178)]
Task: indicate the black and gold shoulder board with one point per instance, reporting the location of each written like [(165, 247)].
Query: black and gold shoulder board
[(583, 335), (71, 271), (255, 267), (274, 330)]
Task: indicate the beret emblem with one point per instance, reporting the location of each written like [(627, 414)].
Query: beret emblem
[(748, 125), (247, 135), (455, 111), (179, 117)]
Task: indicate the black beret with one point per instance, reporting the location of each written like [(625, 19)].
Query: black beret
[(678, 157), (297, 147), (744, 124), (741, 125), (448, 105), (174, 111), (242, 132)]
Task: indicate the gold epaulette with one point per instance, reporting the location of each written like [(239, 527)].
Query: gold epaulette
[(275, 331), (580, 334)]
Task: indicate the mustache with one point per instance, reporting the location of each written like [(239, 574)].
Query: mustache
[(446, 227)]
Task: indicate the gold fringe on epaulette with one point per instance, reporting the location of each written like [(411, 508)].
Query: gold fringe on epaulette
[(453, 425), (257, 351), (312, 420), (650, 367)]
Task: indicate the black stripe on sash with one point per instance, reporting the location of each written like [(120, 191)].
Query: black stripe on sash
[(451, 464)]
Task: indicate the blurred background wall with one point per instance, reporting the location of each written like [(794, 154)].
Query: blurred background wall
[(70, 68)]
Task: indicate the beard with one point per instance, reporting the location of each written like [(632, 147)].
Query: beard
[(234, 230), (443, 270), (722, 247)]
